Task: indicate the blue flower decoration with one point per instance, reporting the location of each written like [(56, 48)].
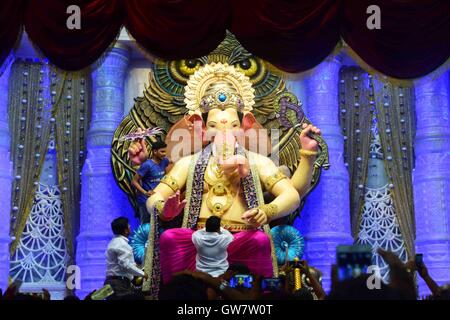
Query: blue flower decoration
[(138, 241), (286, 236)]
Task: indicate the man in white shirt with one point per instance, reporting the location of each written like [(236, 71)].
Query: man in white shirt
[(120, 264), (212, 243)]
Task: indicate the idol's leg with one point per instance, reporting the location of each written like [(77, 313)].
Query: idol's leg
[(177, 252), (253, 249)]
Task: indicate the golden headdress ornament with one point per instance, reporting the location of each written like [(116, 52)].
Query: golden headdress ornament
[(218, 85)]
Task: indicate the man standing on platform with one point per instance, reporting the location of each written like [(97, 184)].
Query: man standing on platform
[(120, 264), (149, 175)]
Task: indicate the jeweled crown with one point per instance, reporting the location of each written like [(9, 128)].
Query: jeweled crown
[(221, 86), (221, 96)]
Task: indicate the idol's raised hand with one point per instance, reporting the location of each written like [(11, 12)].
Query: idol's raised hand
[(307, 142), (235, 163), (173, 206), (225, 142), (138, 152)]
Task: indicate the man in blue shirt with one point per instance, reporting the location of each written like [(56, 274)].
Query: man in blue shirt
[(148, 177)]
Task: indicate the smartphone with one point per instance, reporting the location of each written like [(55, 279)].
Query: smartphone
[(271, 284), (241, 281), (418, 260), (353, 261)]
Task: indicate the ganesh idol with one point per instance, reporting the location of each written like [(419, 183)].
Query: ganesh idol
[(224, 179)]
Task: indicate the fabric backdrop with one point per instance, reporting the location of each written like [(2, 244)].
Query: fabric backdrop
[(359, 96), (356, 121), (414, 38), (30, 118)]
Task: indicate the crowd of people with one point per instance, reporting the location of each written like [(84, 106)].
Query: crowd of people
[(215, 279), (198, 285)]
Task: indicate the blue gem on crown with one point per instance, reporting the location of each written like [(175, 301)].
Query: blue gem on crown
[(222, 97)]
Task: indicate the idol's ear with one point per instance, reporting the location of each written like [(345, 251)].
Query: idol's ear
[(196, 117), (248, 120), (197, 122), (185, 137), (258, 133)]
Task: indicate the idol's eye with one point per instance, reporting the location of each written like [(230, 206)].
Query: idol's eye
[(248, 66), (189, 66)]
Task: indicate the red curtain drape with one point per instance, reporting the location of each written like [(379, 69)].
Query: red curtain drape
[(176, 29), (73, 49), (11, 19), (293, 35), (414, 38)]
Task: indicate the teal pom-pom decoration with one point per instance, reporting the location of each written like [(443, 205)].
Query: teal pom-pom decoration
[(286, 236), (138, 241)]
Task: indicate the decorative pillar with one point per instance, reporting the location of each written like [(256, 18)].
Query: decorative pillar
[(325, 219), (101, 199), (5, 180), (431, 177)]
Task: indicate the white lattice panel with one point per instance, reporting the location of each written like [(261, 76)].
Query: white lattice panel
[(40, 259)]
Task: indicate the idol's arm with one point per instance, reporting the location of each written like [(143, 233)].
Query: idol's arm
[(286, 196), (301, 179), (166, 198), (285, 202)]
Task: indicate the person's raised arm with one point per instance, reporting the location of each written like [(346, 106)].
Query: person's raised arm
[(136, 182), (423, 272), (318, 290), (431, 284), (227, 236), (400, 278)]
